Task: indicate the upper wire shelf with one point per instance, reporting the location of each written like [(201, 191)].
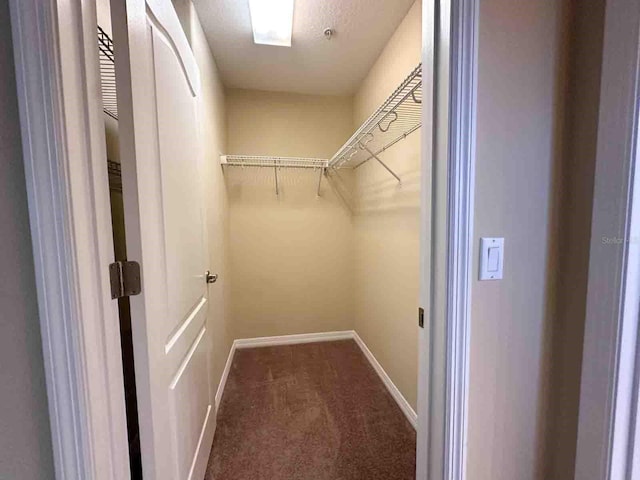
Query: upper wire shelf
[(276, 163), (265, 161), (107, 74), (397, 117)]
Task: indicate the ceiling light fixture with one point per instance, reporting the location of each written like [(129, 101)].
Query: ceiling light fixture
[(272, 21)]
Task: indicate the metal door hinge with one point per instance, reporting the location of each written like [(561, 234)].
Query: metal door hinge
[(421, 317), (125, 279)]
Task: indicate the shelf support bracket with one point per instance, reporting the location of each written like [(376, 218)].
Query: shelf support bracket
[(373, 155), (322, 170), (275, 170)]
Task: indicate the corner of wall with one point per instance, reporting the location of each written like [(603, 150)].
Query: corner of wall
[(584, 42)]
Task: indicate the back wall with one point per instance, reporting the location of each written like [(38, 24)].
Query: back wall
[(290, 255)]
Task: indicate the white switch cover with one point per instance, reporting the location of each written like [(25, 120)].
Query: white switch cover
[(491, 258)]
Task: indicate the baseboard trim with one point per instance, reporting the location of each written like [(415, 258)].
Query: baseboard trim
[(406, 409), (293, 339), (225, 375), (393, 390)]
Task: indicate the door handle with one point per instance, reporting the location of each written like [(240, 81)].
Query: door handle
[(211, 277)]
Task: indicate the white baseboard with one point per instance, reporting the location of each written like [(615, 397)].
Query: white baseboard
[(225, 375), (312, 338), (393, 390), (293, 339)]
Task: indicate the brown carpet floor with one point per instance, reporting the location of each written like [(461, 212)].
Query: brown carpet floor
[(316, 411)]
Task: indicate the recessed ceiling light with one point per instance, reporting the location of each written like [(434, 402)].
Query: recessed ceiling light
[(272, 21)]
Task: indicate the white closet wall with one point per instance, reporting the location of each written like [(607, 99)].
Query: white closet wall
[(291, 254), (387, 223)]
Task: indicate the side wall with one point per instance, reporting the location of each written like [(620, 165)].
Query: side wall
[(290, 254), (521, 96), (587, 29), (25, 436), (387, 223)]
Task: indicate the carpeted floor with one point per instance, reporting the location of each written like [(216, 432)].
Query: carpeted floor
[(316, 411)]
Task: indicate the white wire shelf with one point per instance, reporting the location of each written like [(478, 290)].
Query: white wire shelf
[(399, 116), (277, 163), (266, 161), (107, 74)]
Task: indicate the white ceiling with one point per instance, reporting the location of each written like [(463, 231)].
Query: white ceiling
[(312, 65)]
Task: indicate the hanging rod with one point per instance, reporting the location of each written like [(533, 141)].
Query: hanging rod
[(276, 163), (107, 74), (399, 116)]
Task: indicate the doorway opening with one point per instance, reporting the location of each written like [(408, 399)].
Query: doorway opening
[(110, 115)]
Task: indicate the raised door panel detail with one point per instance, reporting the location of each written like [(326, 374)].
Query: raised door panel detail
[(190, 406), (181, 179), (182, 340), (183, 336)]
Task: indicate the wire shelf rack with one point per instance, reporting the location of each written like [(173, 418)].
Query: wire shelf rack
[(107, 74), (266, 161), (115, 175), (399, 116), (277, 163)]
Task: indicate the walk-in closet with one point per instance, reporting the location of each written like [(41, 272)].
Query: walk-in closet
[(296, 355)]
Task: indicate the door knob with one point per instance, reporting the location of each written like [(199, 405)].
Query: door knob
[(210, 277)]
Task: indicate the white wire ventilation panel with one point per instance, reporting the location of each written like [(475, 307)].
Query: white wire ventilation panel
[(399, 116), (107, 74)]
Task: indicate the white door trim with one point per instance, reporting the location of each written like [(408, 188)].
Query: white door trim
[(609, 354), (65, 165), (450, 33)]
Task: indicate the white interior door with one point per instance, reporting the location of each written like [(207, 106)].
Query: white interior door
[(158, 96)]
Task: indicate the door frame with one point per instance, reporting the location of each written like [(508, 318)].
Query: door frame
[(611, 355), (65, 164), (450, 48), (63, 139)]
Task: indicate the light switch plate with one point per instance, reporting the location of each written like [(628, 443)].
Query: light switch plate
[(491, 258)]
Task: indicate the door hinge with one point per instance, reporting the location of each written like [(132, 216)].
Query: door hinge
[(125, 279), (421, 317)]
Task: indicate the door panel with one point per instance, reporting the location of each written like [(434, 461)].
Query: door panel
[(181, 182), (158, 97), (190, 406)]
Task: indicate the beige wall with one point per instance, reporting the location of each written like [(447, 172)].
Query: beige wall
[(291, 255), (25, 438), (521, 87), (387, 223), (576, 192)]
